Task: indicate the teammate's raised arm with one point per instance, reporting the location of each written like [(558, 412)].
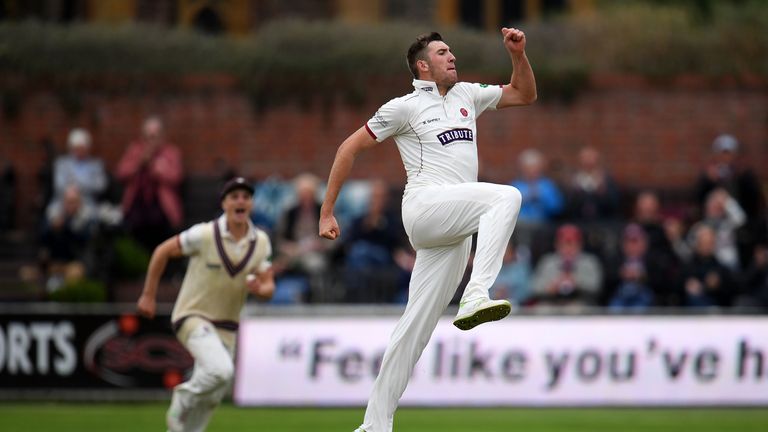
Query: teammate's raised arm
[(342, 165), (521, 89)]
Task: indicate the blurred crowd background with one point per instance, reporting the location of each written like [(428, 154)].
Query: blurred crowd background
[(642, 166)]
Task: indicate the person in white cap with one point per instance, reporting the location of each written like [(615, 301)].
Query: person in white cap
[(228, 258), (728, 171), (80, 169), (443, 203)]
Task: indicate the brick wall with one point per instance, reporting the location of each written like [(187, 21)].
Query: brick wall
[(651, 136)]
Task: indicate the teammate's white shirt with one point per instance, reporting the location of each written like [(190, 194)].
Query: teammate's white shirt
[(191, 241), (436, 135), (214, 285)]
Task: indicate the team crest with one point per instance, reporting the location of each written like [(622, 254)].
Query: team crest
[(464, 112)]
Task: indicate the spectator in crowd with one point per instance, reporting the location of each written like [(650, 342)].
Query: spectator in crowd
[(633, 280), (303, 258), (568, 276), (151, 172), (514, 280), (65, 238), (371, 271), (406, 260), (724, 215), (675, 230), (79, 168), (755, 287), (7, 197), (725, 170), (647, 214), (707, 282), (44, 179), (272, 196), (592, 194), (542, 200)]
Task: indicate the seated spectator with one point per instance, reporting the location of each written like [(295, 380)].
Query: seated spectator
[(707, 282), (65, 238), (592, 194), (728, 170), (44, 178), (569, 276), (302, 259), (371, 245), (542, 200), (755, 288), (405, 259), (270, 199), (675, 229), (647, 214), (79, 168), (353, 201), (724, 215), (7, 197), (151, 172), (635, 278), (514, 280)]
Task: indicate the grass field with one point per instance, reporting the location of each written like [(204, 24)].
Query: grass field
[(146, 417)]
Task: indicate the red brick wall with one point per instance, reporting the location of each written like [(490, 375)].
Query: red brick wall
[(651, 136)]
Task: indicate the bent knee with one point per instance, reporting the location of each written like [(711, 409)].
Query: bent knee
[(512, 197), (516, 197), (221, 374)]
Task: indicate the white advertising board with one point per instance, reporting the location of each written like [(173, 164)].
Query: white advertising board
[(520, 361)]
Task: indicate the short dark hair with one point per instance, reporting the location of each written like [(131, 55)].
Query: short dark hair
[(416, 50)]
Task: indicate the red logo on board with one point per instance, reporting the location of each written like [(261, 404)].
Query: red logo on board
[(464, 112)]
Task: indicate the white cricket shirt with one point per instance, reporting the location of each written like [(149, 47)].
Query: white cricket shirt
[(436, 135)]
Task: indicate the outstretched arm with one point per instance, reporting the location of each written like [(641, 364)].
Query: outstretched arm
[(170, 248), (342, 165), (521, 89)]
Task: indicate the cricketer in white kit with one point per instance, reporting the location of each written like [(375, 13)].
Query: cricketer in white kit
[(228, 258), (443, 203)]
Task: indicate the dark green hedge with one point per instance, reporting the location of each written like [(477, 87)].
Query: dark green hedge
[(289, 59)]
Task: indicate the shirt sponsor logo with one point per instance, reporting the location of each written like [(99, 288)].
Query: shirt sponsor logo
[(452, 135), (429, 89), (430, 121), (380, 119)]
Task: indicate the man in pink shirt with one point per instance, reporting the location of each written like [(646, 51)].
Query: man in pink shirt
[(151, 172)]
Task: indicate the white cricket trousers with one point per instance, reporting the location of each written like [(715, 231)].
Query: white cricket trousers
[(212, 375), (440, 222)]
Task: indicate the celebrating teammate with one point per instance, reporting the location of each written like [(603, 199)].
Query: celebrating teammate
[(229, 257), (443, 203)]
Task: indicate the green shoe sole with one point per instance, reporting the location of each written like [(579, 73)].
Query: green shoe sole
[(493, 313)]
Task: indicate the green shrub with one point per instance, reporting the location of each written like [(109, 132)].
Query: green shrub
[(131, 259), (296, 60), (80, 291)]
